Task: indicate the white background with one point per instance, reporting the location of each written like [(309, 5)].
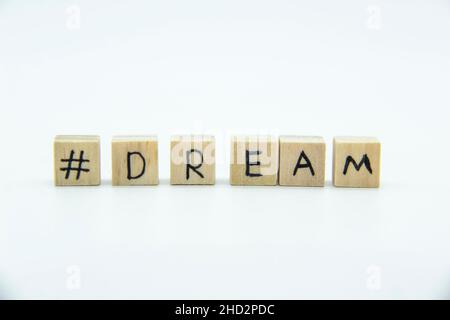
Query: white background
[(379, 68)]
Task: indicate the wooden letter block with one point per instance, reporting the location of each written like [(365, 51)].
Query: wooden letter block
[(192, 160), (302, 161), (356, 162), (76, 160), (134, 160), (254, 161)]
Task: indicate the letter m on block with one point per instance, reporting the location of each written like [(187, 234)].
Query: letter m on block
[(364, 161)]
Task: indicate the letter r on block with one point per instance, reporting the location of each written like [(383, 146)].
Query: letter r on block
[(192, 160)]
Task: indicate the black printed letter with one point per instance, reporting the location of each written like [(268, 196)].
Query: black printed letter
[(248, 163), (299, 165), (364, 161), (129, 176), (188, 163)]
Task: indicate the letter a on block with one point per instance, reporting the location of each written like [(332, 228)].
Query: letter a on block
[(134, 160), (356, 162), (302, 161)]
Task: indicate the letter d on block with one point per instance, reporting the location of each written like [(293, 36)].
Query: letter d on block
[(134, 160)]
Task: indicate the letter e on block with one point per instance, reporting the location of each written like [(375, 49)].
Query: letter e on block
[(254, 161), (134, 160), (76, 160), (356, 162)]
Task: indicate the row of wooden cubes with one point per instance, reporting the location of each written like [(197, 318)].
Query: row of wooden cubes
[(255, 160)]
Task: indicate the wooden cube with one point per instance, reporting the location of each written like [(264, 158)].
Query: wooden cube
[(134, 160), (302, 161), (192, 160), (254, 160), (76, 160), (356, 162)]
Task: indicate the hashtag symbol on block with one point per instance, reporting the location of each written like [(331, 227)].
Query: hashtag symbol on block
[(79, 168)]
